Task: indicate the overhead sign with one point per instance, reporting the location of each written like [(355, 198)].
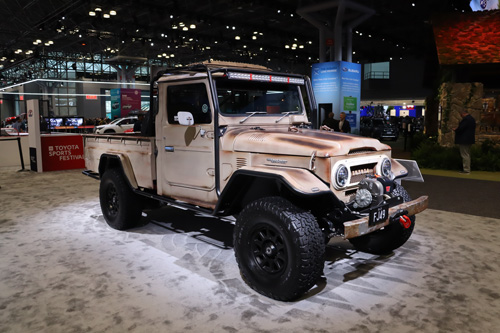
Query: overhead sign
[(480, 5)]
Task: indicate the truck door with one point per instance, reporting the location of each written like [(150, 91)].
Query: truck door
[(186, 153)]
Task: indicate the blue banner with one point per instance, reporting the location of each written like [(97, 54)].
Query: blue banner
[(337, 87)]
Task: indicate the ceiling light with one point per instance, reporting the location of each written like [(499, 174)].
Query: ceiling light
[(287, 46), (98, 9), (112, 12), (50, 42), (301, 46), (185, 29), (106, 16), (171, 56), (181, 24), (237, 37), (91, 13), (254, 37), (174, 27), (192, 26)]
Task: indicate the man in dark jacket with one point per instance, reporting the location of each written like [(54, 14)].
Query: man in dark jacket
[(343, 125), (465, 137)]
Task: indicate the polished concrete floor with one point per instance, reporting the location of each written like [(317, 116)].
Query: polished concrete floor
[(62, 269)]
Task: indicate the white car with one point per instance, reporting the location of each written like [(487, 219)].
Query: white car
[(117, 126)]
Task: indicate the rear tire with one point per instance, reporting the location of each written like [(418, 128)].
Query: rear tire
[(391, 237), (120, 206), (279, 248)]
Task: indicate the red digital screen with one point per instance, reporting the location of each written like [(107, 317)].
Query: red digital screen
[(468, 38)]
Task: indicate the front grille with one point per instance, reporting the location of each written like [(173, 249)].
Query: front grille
[(358, 172)]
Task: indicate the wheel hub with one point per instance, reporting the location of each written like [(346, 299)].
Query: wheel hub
[(269, 250)]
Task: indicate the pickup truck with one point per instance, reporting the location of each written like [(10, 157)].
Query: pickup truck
[(234, 139)]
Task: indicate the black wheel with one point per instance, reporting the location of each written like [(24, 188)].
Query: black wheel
[(120, 206), (279, 248), (389, 238)]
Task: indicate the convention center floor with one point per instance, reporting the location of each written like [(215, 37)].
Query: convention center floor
[(62, 269)]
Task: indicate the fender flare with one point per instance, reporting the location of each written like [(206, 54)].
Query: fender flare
[(300, 182), (119, 160)]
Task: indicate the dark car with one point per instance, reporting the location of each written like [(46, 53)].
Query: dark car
[(379, 128)]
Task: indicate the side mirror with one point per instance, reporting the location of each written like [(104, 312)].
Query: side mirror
[(185, 118)]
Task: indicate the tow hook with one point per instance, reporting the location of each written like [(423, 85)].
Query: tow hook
[(401, 216)]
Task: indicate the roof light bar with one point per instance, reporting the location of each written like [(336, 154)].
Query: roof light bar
[(264, 78)]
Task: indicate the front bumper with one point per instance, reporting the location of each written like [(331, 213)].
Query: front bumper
[(360, 226)]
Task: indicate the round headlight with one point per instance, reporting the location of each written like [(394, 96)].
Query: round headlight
[(386, 167), (341, 175)]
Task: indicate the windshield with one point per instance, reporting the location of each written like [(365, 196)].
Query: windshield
[(261, 98)]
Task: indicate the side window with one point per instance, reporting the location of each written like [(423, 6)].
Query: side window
[(191, 98)]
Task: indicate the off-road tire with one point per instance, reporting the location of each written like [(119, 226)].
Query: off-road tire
[(391, 237), (279, 248), (120, 206)]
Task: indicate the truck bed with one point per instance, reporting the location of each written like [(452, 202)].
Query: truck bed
[(136, 152)]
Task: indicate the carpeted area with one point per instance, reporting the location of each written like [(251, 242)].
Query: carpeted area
[(62, 269)]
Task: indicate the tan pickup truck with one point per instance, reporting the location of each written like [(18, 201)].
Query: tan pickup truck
[(234, 139)]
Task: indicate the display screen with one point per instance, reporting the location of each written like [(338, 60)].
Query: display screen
[(54, 122), (75, 121), (468, 38)]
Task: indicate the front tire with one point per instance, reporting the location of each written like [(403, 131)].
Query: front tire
[(391, 237), (279, 248), (120, 206)]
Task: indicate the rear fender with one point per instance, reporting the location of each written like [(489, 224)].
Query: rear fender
[(118, 160)]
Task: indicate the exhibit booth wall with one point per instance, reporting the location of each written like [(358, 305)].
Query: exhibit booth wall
[(10, 152)]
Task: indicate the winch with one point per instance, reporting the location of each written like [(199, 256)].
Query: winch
[(372, 190)]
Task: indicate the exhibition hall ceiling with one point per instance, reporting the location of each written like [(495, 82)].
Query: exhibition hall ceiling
[(259, 31)]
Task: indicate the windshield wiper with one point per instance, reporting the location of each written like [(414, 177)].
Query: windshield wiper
[(251, 114), (286, 114)]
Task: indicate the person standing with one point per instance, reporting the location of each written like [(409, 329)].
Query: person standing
[(18, 125), (465, 137), (330, 123), (343, 124)]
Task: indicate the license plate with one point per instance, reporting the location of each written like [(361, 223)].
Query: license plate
[(379, 214)]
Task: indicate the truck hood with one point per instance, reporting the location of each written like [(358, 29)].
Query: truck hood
[(302, 143)]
